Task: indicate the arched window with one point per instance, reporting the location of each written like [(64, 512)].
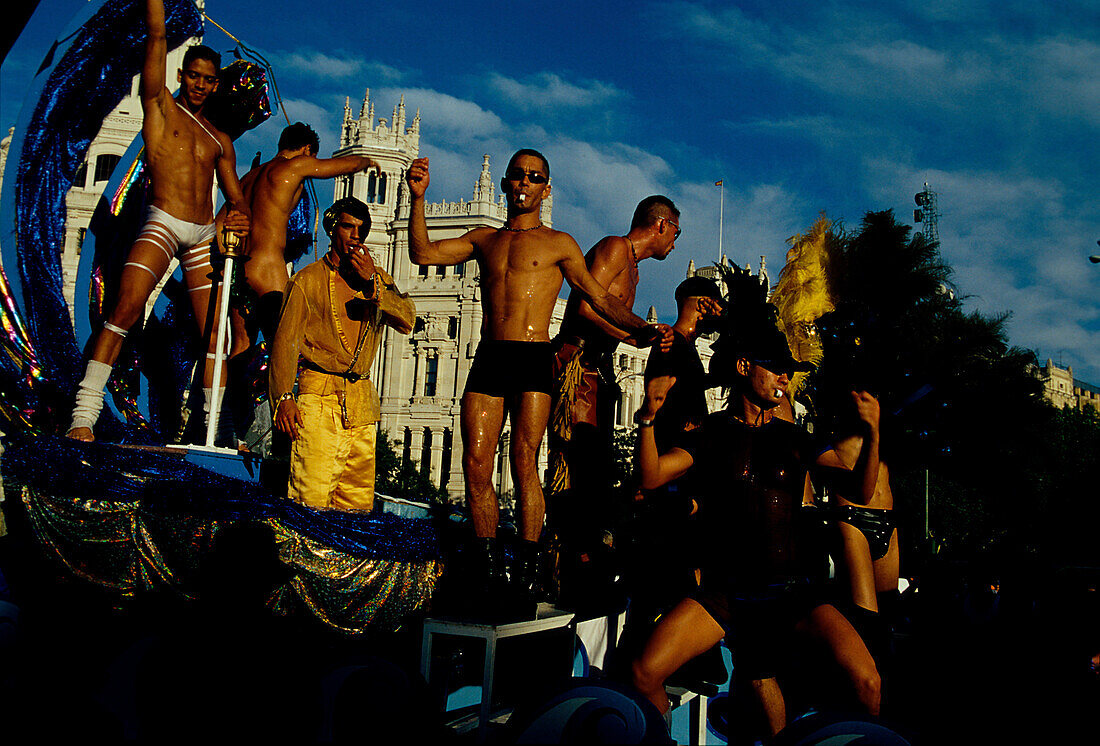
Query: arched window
[(372, 186), (382, 189)]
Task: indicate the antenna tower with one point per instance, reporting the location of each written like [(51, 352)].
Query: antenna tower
[(928, 213)]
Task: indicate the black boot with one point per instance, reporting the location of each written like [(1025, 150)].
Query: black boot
[(529, 574), (491, 598), (488, 577)]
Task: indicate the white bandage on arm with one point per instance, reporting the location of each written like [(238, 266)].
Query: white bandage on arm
[(89, 395)]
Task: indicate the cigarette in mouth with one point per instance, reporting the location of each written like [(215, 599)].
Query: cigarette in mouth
[(521, 198), (361, 250), (779, 393)]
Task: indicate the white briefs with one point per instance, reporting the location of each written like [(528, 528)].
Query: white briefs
[(170, 234)]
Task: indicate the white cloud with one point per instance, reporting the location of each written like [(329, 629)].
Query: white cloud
[(550, 91), (445, 118), (310, 63)]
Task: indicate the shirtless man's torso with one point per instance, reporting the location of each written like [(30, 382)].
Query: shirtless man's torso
[(183, 151)]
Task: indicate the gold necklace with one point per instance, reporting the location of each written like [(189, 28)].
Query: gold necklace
[(521, 230)]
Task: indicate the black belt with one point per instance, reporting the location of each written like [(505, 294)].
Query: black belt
[(346, 375)]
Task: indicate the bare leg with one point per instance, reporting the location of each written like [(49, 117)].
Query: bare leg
[(829, 626), (482, 421), (887, 567), (684, 633), (857, 565), (771, 700), (136, 283), (266, 274), (529, 416)]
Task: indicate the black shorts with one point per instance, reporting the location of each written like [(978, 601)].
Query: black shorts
[(760, 628), (506, 368)]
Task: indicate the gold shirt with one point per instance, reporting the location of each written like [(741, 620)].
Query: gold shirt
[(311, 327)]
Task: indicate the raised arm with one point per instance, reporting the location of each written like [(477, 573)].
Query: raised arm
[(867, 467), (154, 70), (621, 319), (658, 469), (422, 250), (310, 167)]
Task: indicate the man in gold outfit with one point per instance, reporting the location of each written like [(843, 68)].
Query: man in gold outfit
[(333, 316)]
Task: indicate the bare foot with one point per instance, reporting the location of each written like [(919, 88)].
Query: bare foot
[(82, 433)]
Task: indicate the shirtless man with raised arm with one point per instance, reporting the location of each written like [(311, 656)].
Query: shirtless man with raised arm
[(272, 191), (183, 151), (522, 266)]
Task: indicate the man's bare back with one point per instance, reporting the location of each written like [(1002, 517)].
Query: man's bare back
[(272, 191)]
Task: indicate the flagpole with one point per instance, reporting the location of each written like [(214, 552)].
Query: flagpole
[(721, 210)]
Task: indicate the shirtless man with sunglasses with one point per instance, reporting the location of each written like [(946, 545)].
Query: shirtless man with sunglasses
[(522, 265)]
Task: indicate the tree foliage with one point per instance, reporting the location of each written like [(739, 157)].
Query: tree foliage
[(958, 399), (402, 477)]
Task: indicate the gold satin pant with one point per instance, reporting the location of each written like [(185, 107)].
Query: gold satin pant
[(331, 466)]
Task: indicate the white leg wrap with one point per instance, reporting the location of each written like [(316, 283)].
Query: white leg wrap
[(89, 396)]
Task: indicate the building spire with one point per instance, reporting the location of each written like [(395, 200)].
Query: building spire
[(691, 268), (364, 110)]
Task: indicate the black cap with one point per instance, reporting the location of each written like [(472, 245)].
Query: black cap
[(768, 348), (698, 287)]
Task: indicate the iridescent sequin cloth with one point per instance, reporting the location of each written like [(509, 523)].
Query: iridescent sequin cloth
[(133, 520)]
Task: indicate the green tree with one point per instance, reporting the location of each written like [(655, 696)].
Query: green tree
[(960, 400), (400, 477)]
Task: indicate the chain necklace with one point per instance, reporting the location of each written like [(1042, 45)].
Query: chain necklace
[(521, 230)]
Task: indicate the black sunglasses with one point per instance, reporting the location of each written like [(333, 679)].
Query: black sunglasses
[(517, 174), (674, 225)]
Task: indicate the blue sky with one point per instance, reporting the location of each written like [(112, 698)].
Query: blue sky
[(800, 108)]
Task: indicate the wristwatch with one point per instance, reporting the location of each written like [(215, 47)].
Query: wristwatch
[(283, 398), (641, 421)]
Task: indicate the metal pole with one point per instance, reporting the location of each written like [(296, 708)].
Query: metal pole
[(721, 216), (231, 242), (927, 504)]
